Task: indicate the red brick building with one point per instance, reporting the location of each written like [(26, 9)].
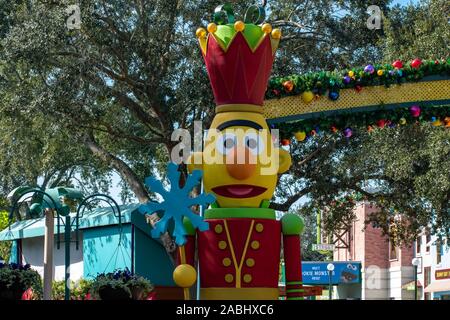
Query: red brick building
[(385, 269)]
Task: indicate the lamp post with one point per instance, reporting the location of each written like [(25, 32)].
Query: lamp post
[(330, 268), (415, 262)]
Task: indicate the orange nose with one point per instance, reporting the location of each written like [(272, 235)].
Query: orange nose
[(241, 164)]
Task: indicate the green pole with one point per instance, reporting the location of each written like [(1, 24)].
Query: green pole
[(67, 258)]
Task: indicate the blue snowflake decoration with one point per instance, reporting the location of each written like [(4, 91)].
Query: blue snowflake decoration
[(176, 203)]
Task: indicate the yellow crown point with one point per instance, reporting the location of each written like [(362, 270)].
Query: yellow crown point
[(266, 28), (276, 34), (200, 33), (239, 26), (212, 27)]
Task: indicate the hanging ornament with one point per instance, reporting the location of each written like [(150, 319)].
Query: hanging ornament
[(300, 136), (288, 85), (369, 69), (276, 92), (381, 123), (436, 62), (391, 72), (447, 122), (391, 124), (369, 129), (348, 132), (416, 63), (415, 111), (400, 73), (333, 95), (313, 132), (307, 96), (397, 64), (351, 74), (380, 72), (347, 80), (285, 142), (436, 122), (334, 129), (402, 121)]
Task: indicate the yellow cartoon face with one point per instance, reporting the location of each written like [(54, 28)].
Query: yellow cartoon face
[(239, 161)]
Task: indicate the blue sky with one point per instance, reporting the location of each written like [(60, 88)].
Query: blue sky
[(404, 2)]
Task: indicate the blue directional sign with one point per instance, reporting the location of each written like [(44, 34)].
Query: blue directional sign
[(316, 273)]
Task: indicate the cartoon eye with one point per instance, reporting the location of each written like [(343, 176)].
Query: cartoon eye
[(225, 143), (352, 267), (254, 143)]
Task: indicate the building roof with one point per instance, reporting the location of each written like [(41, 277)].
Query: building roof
[(91, 219)]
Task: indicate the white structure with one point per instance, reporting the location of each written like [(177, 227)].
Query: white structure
[(33, 251), (434, 269)]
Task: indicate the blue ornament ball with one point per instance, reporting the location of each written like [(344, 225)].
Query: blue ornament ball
[(369, 69), (333, 95)]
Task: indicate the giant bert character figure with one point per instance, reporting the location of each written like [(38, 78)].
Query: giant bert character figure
[(239, 256)]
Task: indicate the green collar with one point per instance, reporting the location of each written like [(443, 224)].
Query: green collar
[(222, 213)]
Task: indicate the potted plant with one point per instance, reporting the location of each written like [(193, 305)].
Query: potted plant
[(15, 279), (120, 285)]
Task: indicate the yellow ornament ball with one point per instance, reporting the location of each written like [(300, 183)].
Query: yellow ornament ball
[(239, 26), (380, 72), (212, 27), (300, 136), (200, 33), (351, 74), (266, 28), (307, 96), (437, 123), (402, 121), (276, 34), (184, 275)]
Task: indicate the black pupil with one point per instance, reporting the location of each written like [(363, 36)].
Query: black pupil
[(251, 143), (228, 143)]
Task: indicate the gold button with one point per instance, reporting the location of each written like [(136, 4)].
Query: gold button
[(218, 228), (247, 278), (259, 227), (250, 262), (222, 245), (255, 244), (229, 278), (226, 262)]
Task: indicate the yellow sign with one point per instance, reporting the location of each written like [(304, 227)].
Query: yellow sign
[(442, 274)]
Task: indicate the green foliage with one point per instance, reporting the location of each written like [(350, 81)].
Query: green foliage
[(420, 30), (78, 290), (5, 246), (22, 276)]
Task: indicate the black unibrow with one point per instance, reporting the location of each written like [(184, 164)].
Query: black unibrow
[(243, 123)]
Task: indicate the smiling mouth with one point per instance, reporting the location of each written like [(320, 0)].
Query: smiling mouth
[(239, 191)]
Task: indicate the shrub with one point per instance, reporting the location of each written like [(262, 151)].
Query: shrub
[(120, 285), (78, 290), (15, 279)]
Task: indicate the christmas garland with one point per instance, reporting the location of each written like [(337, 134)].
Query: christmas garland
[(313, 85), (347, 122), (320, 83)]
